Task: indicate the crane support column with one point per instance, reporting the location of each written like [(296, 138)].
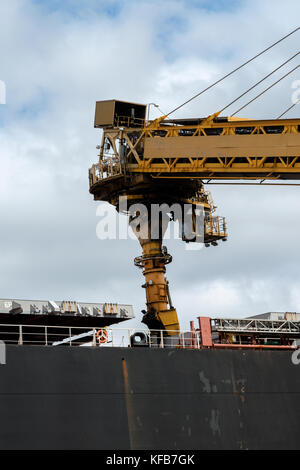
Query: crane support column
[(153, 261)]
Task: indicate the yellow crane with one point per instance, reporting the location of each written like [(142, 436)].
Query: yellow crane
[(168, 161)]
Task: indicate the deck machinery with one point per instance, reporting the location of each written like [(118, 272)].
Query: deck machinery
[(167, 162)]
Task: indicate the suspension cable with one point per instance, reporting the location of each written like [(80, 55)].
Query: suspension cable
[(287, 110), (260, 81), (233, 71), (264, 91)]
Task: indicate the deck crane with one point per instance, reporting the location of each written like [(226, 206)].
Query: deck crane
[(168, 161)]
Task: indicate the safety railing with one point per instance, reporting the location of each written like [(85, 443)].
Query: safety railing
[(56, 336), (128, 121), (255, 326), (106, 168), (215, 226)]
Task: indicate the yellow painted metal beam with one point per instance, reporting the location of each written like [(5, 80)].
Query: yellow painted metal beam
[(279, 145), (237, 149), (208, 148)]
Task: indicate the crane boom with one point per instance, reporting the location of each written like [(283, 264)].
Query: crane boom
[(221, 149), (243, 149)]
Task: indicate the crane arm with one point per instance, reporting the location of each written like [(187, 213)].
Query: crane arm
[(246, 149)]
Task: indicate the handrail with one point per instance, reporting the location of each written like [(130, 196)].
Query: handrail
[(128, 121), (256, 325), (57, 336), (51, 335)]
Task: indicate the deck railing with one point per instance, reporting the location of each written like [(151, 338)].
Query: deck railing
[(237, 325), (45, 335), (58, 336)]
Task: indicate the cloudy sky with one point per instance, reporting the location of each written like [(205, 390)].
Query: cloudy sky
[(57, 59)]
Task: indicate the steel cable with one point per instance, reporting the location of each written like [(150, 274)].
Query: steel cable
[(266, 89), (287, 110), (259, 82), (233, 71)]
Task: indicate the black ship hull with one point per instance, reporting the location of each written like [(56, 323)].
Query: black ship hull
[(140, 398)]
